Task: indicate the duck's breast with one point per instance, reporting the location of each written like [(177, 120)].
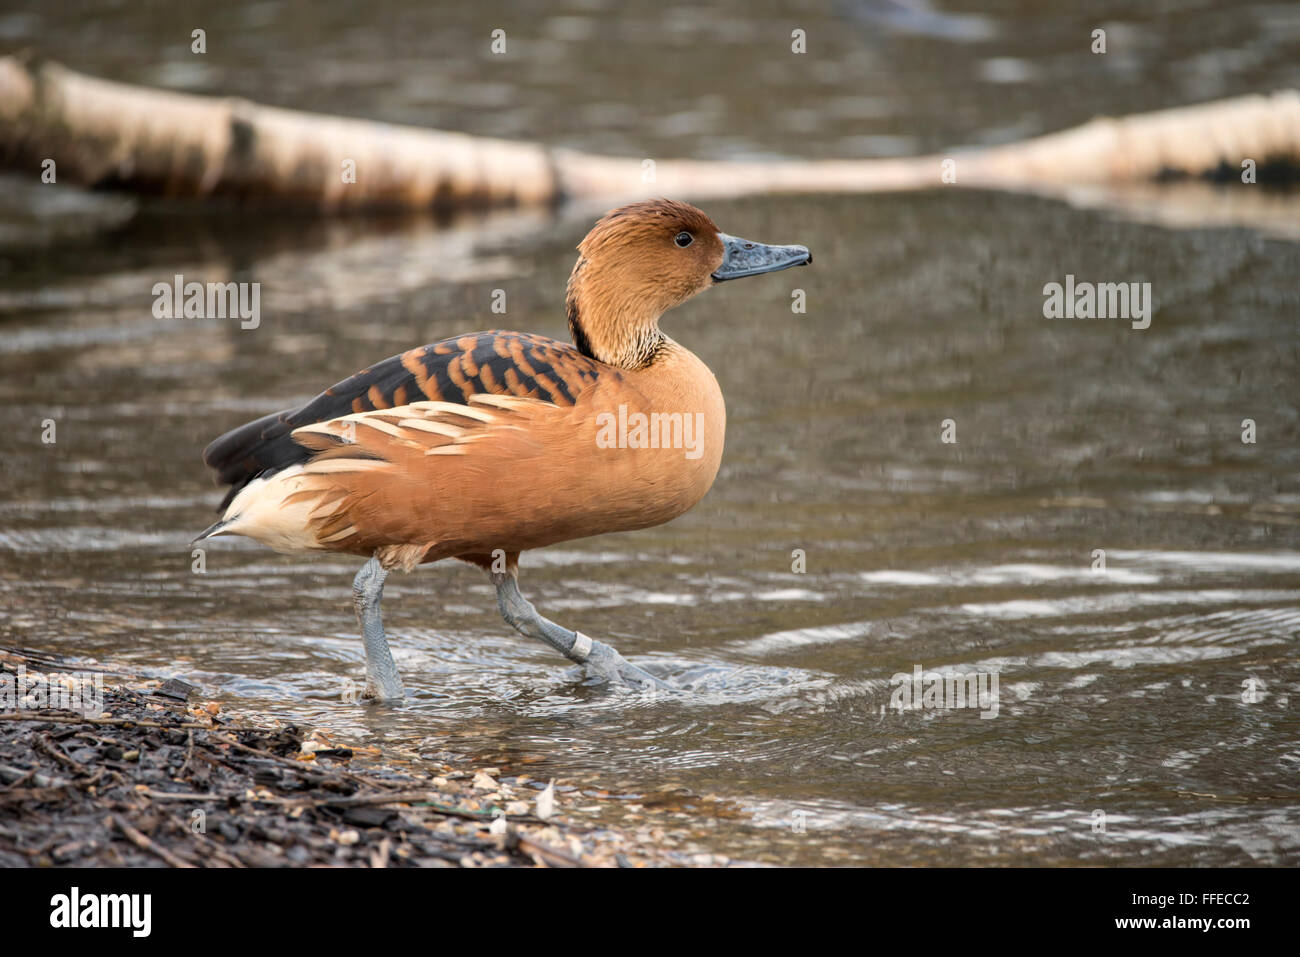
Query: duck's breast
[(638, 449), (653, 438)]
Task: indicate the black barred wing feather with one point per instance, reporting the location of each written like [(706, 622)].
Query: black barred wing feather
[(493, 363)]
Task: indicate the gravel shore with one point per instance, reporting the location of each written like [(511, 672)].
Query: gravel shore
[(162, 778)]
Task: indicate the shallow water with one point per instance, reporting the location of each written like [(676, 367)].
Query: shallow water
[(1120, 691)]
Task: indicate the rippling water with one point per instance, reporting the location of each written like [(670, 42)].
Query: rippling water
[(1144, 709)]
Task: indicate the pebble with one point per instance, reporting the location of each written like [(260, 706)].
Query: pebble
[(546, 802)]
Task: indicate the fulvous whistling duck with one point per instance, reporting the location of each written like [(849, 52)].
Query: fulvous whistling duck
[(482, 446)]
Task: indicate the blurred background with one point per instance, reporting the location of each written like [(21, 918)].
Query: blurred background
[(1123, 692), (880, 78)]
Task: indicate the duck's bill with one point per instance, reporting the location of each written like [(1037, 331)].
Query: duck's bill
[(742, 258)]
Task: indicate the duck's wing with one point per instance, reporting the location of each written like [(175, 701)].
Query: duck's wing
[(487, 363), (403, 481)]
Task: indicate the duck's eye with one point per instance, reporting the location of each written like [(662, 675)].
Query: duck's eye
[(683, 239)]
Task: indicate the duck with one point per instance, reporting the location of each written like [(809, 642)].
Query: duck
[(486, 445)]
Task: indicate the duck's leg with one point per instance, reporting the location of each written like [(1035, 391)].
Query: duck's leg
[(598, 658), (382, 680)]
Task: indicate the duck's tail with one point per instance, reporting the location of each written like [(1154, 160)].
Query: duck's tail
[(214, 529)]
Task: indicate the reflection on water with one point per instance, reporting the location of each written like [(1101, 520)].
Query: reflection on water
[(1145, 712)]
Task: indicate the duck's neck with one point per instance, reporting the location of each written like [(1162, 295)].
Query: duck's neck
[(611, 324)]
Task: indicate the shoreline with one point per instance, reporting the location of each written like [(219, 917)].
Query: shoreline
[(164, 778)]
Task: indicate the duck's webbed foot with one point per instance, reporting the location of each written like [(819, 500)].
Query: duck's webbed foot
[(604, 662), (598, 658)]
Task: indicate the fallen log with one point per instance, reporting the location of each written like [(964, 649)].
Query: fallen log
[(103, 134)]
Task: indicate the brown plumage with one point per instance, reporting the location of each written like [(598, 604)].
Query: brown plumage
[(486, 445)]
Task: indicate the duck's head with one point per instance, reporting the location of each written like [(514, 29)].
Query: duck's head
[(641, 260)]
